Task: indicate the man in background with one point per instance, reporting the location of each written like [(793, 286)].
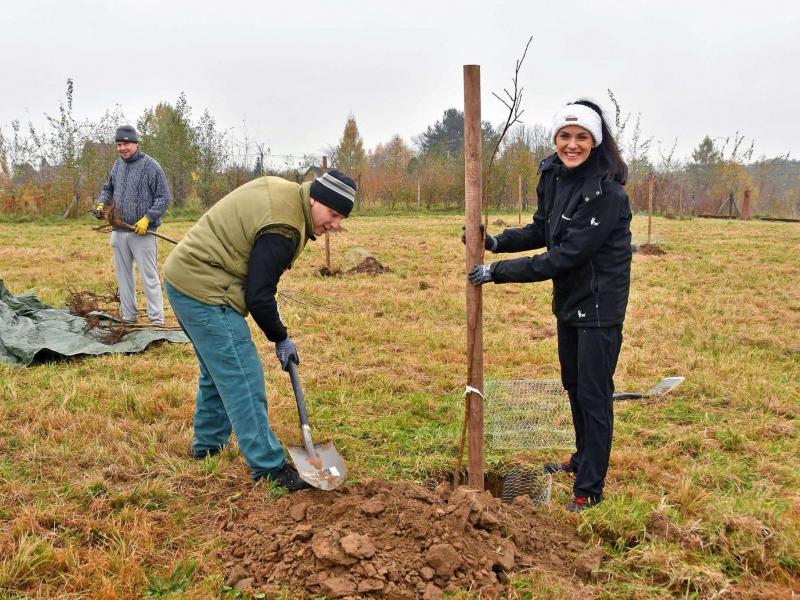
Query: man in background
[(137, 190)]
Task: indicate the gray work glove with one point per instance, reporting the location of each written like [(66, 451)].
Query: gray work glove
[(489, 241), (480, 274), (286, 351)]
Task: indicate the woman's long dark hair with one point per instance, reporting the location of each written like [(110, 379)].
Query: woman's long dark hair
[(610, 158)]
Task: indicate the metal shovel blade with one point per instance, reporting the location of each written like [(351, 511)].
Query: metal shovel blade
[(665, 385), (325, 471), (318, 464), (662, 387)]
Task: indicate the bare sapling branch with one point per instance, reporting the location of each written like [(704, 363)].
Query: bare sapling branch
[(513, 104)]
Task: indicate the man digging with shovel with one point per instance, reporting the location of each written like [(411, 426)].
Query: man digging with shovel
[(227, 265)]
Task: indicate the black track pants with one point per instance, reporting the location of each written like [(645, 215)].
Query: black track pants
[(588, 359)]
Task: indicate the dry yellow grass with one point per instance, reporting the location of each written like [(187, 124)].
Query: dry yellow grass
[(99, 498)]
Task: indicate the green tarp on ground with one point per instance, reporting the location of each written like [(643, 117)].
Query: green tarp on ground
[(31, 330)]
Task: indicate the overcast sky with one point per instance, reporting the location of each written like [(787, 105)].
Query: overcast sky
[(292, 71)]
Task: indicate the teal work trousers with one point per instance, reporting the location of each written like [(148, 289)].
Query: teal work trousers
[(231, 395)]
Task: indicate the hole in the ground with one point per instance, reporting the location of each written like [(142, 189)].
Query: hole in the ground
[(506, 484)]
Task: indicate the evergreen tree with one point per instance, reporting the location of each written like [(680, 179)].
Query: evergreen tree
[(447, 135), (350, 153), (706, 153), (258, 167)]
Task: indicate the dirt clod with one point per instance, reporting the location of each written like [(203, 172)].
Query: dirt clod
[(326, 272), (373, 507), (589, 562), (432, 592), (360, 546), (444, 559), (298, 511), (380, 539), (244, 584), (338, 587)]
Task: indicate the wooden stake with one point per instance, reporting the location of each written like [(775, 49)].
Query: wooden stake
[(650, 183), (474, 256), (327, 236), (745, 216)]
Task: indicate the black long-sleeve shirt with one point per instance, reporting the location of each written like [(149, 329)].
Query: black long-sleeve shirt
[(270, 257)]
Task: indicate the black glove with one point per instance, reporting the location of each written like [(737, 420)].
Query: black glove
[(286, 351), (489, 241), (480, 274)]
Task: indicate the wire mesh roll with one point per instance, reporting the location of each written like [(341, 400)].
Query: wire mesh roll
[(527, 414)]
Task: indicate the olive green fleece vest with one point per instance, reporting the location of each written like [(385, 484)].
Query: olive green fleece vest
[(210, 262)]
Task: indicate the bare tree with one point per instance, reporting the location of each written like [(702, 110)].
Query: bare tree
[(513, 102)]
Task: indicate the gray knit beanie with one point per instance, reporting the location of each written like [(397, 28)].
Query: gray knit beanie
[(126, 133)]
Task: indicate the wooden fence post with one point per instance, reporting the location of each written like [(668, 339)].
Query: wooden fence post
[(745, 216), (327, 235), (650, 185), (474, 256)]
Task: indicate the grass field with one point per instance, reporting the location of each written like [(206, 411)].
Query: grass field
[(100, 499)]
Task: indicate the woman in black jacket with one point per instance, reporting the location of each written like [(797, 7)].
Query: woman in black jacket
[(583, 219)]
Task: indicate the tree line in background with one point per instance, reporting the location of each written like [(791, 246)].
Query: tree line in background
[(60, 168)]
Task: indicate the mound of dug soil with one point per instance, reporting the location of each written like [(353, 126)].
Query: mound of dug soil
[(651, 249), (371, 266), (393, 540)]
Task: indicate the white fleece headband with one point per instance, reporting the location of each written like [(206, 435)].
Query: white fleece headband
[(582, 116)]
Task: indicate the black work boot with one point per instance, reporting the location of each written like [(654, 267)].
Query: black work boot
[(287, 477), (200, 454), (581, 503), (566, 467)]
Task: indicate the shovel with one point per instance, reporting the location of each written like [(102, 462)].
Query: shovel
[(318, 464), (662, 387)]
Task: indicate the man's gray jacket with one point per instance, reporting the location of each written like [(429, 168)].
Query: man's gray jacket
[(138, 187)]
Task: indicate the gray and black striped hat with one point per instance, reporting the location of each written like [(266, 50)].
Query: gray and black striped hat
[(335, 190)]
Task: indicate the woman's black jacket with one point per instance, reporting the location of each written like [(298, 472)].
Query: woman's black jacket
[(583, 219)]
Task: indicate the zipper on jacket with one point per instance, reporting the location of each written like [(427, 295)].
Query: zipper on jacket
[(595, 294)]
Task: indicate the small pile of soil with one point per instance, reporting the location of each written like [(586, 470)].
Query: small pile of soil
[(371, 266), (326, 272), (499, 223), (651, 249), (383, 539)]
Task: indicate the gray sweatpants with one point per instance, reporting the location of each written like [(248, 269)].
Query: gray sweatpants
[(129, 248)]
